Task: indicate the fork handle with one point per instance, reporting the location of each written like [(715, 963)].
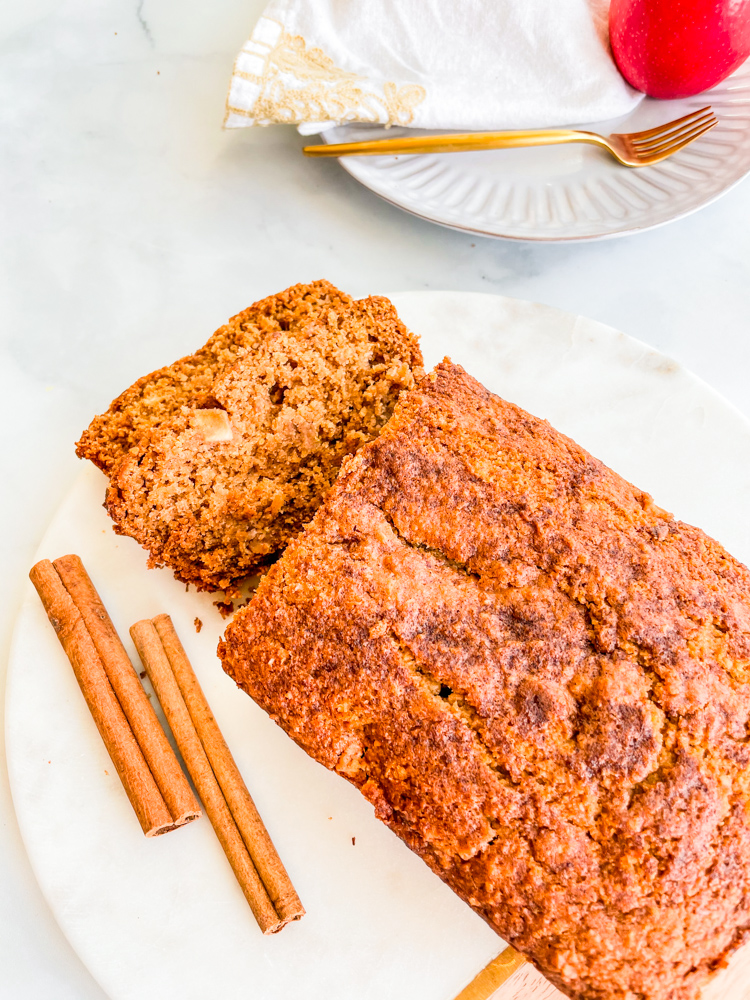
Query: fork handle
[(456, 143)]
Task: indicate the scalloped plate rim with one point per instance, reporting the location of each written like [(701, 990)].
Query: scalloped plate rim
[(361, 169)]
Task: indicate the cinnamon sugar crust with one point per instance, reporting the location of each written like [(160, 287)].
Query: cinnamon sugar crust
[(539, 679), (154, 399), (217, 460)]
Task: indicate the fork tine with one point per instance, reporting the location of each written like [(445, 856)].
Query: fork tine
[(647, 133), (669, 140), (668, 150), (686, 142), (675, 133), (673, 140)]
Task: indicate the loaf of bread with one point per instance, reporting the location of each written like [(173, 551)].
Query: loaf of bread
[(217, 460), (539, 679)]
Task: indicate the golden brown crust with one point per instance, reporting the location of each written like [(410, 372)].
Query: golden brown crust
[(539, 679), (155, 398), (217, 460)]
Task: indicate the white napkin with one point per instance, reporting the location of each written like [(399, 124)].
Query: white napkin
[(456, 64)]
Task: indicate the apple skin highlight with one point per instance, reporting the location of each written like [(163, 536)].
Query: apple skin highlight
[(676, 48)]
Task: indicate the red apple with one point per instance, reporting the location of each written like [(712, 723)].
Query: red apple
[(676, 48)]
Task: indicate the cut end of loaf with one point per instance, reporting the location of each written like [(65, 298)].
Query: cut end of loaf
[(218, 460)]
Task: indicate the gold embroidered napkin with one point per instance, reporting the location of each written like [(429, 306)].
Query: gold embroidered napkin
[(457, 64)]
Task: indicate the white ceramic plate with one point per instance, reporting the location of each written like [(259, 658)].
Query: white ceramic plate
[(562, 193), (164, 918)]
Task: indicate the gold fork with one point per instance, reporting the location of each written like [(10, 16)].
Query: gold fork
[(632, 149)]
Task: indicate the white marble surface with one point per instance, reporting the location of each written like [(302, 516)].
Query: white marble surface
[(132, 226)]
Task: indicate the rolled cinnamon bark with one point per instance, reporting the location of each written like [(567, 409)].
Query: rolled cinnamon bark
[(252, 828), (134, 702), (156, 662), (130, 764)]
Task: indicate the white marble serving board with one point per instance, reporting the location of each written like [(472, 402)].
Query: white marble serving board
[(164, 918)]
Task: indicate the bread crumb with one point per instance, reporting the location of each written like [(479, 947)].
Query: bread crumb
[(246, 435), (354, 841), (198, 624), (226, 608)]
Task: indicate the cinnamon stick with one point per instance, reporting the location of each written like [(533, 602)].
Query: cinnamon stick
[(134, 702), (156, 662), (129, 762), (254, 833)]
